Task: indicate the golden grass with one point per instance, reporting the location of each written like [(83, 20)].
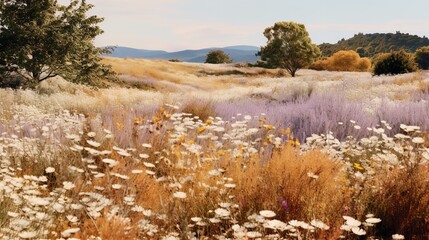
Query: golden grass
[(401, 199), (284, 179), (416, 77), (200, 76)]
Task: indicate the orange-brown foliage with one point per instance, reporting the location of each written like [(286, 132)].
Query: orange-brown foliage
[(348, 61)]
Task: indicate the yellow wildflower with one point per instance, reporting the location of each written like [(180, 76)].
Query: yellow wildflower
[(358, 166), (201, 129)]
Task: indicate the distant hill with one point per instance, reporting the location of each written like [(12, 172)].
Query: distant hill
[(371, 44), (241, 53)]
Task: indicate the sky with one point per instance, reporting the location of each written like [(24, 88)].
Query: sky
[(174, 25)]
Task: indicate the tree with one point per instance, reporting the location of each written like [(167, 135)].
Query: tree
[(361, 51), (288, 46), (40, 39), (422, 57), (217, 57), (393, 63)]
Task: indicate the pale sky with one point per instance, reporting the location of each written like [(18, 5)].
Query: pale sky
[(192, 24)]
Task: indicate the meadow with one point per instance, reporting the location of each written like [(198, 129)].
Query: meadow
[(200, 151)]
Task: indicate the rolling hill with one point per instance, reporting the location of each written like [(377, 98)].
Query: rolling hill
[(241, 53), (369, 45)]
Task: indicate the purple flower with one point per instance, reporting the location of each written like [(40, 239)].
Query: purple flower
[(284, 204)]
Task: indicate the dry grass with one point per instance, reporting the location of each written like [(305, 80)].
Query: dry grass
[(202, 109), (199, 76), (401, 198), (283, 185), (414, 78)]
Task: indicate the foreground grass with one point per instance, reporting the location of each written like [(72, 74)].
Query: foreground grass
[(175, 176)]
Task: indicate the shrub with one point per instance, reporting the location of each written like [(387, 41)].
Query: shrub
[(393, 63), (422, 57), (349, 61), (10, 81), (175, 60), (218, 57)]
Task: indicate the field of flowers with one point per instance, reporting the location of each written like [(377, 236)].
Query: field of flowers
[(188, 151)]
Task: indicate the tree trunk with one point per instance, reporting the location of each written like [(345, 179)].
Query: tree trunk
[(36, 76)]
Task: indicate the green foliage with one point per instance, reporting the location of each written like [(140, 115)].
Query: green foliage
[(42, 39), (288, 46), (397, 62), (422, 57), (361, 51), (175, 60), (218, 57), (369, 45)]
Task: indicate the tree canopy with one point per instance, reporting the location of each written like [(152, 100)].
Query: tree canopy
[(217, 57), (397, 62), (40, 39), (422, 57), (288, 46), (369, 45)]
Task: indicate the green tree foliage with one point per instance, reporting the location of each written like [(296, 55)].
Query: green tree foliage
[(369, 45), (349, 61), (288, 46), (40, 39), (397, 62), (361, 51), (218, 57), (422, 57)]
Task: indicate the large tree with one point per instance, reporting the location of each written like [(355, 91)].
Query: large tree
[(288, 46), (40, 39)]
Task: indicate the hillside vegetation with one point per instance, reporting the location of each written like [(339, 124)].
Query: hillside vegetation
[(368, 45)]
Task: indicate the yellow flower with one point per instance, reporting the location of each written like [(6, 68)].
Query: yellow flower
[(297, 143), (358, 166), (209, 121), (120, 125), (269, 127), (220, 153), (201, 129)]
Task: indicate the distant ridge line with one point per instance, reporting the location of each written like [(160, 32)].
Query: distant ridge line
[(239, 53)]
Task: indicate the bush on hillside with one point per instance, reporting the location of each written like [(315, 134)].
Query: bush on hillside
[(10, 81), (218, 57), (393, 63), (422, 57), (349, 61)]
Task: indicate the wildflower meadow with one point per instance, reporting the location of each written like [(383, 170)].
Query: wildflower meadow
[(193, 151)]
